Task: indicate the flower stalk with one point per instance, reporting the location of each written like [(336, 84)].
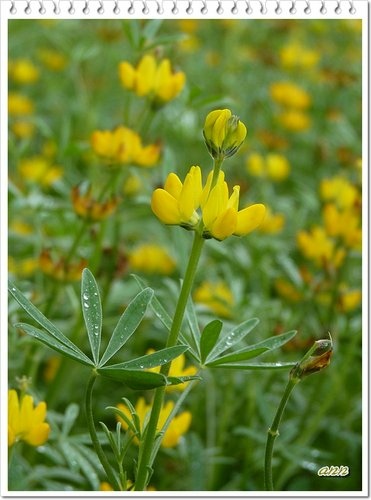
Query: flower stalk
[(93, 433), (146, 456), (315, 359)]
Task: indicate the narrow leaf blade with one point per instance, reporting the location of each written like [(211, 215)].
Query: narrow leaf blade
[(53, 343), (276, 341), (135, 379), (92, 311), (209, 337), (233, 337), (152, 360), (37, 315), (238, 356), (128, 323), (256, 366)]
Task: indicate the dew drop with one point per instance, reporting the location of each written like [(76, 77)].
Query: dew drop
[(86, 305), (85, 296), (141, 366)]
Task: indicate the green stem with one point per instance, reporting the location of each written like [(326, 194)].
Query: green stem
[(93, 433), (148, 443), (273, 433)]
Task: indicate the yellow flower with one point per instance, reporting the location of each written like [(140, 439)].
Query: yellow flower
[(151, 78), (88, 208), (26, 422), (272, 223), (178, 203), (19, 104), (23, 129), (151, 258), (24, 267), (104, 486), (290, 95), (341, 191), (53, 60), (223, 132), (217, 297), (177, 428), (287, 290), (124, 146), (349, 299), (274, 166), (299, 57), (343, 223), (294, 120), (39, 169), (59, 270), (23, 71), (317, 246), (176, 370), (51, 368)]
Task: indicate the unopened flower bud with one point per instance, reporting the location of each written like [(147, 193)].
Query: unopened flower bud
[(317, 358), (223, 133)]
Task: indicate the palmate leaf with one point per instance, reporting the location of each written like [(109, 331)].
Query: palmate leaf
[(127, 324), (37, 315), (51, 342), (92, 311)]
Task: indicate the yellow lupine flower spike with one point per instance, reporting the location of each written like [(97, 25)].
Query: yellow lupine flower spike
[(213, 213), (25, 422)]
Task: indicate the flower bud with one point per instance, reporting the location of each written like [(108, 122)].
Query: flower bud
[(223, 133), (317, 358)]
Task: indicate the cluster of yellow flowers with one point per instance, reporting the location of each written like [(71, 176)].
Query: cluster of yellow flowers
[(89, 208), (209, 208), (152, 79), (296, 56), (327, 244), (294, 102), (273, 166), (124, 146), (216, 296), (26, 422)]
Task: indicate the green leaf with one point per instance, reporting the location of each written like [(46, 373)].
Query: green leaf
[(182, 380), (209, 337), (92, 311), (70, 416), (232, 338), (255, 350), (35, 314), (256, 366), (135, 379), (276, 341), (157, 358), (128, 323), (53, 343), (151, 28), (239, 356)]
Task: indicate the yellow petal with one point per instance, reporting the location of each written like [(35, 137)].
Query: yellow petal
[(173, 185), (165, 207), (189, 199), (249, 219), (127, 75), (225, 224), (146, 72), (38, 434)]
